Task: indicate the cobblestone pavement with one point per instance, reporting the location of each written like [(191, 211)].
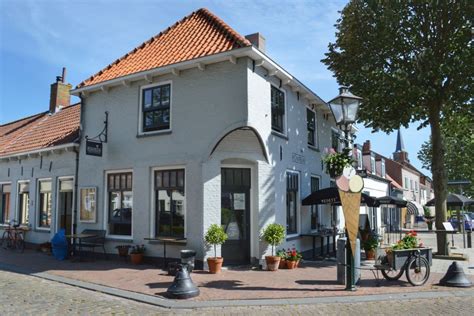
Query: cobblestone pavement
[(27, 295)]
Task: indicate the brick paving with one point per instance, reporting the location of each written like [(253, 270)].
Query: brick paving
[(27, 295)]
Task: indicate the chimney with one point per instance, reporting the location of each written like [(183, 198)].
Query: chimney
[(366, 147), (59, 96), (257, 40)]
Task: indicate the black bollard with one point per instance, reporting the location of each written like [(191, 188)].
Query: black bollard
[(455, 277), (182, 287)]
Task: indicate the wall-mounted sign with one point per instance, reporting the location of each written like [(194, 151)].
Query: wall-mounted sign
[(297, 158), (94, 148)]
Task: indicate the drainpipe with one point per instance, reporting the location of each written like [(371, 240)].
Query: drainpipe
[(76, 176)]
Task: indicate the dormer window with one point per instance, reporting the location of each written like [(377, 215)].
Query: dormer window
[(372, 164), (382, 168), (156, 104)]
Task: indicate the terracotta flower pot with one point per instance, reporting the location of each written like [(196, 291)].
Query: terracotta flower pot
[(370, 254), (272, 262), (282, 264), (215, 264), (136, 258), (291, 264)]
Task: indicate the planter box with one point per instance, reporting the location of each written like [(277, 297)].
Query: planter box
[(400, 257)]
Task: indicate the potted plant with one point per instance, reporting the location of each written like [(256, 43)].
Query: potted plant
[(282, 254), (429, 219), (273, 234), (292, 258), (123, 250), (215, 236), (335, 162), (136, 254), (370, 245)]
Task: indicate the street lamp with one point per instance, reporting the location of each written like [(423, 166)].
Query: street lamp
[(344, 108)]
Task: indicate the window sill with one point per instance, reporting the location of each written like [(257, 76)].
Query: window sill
[(278, 134), (293, 237), (149, 134), (125, 239), (42, 230), (314, 148)]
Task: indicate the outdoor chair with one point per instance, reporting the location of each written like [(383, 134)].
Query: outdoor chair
[(94, 242)]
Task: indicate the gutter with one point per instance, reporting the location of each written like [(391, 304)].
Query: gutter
[(250, 51), (39, 152)]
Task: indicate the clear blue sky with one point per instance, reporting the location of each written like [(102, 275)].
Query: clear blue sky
[(38, 38)]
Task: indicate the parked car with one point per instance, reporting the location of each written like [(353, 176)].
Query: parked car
[(468, 221)]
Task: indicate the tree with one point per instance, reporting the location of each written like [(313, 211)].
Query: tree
[(458, 134), (410, 61)]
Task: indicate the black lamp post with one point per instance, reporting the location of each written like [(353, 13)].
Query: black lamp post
[(344, 108)]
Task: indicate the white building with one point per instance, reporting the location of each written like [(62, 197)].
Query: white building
[(203, 127)]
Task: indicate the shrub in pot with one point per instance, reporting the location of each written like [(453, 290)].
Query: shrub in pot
[(215, 236), (370, 245), (273, 234), (282, 254), (293, 258), (136, 254)]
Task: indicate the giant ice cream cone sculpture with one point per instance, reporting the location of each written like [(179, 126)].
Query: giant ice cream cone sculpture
[(350, 186)]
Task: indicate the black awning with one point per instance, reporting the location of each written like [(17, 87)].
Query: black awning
[(331, 196), (392, 200), (454, 200)]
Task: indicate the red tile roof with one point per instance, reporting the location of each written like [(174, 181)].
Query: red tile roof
[(197, 35), (40, 131)]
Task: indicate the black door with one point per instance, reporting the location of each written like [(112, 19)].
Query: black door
[(65, 211), (235, 215)]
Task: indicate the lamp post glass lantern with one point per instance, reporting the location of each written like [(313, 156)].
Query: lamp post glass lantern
[(344, 108)]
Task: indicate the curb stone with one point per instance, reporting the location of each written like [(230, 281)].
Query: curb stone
[(179, 304)]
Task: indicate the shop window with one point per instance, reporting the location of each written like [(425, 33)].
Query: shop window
[(120, 203), (291, 203), (23, 203), (170, 205), (315, 213), (44, 211), (5, 191)]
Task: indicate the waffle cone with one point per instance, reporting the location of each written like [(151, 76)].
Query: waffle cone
[(351, 209)]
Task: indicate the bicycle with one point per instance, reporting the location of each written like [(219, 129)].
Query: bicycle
[(13, 237)]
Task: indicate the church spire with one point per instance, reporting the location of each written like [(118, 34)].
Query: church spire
[(400, 144)]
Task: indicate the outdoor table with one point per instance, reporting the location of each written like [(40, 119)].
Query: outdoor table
[(79, 237), (165, 241), (320, 235)]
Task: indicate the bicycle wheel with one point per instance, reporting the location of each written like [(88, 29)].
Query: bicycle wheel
[(391, 274), (418, 271), (6, 240), (20, 243)]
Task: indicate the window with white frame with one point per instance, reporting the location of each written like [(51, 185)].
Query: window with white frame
[(120, 203), (170, 205), (416, 186), (44, 207), (406, 183), (291, 203), (315, 214), (382, 167), (411, 185), (311, 127), (278, 109), (5, 192), (372, 165), (359, 159), (23, 203), (156, 104), (336, 140)]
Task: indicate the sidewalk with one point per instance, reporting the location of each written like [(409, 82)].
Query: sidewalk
[(314, 280)]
